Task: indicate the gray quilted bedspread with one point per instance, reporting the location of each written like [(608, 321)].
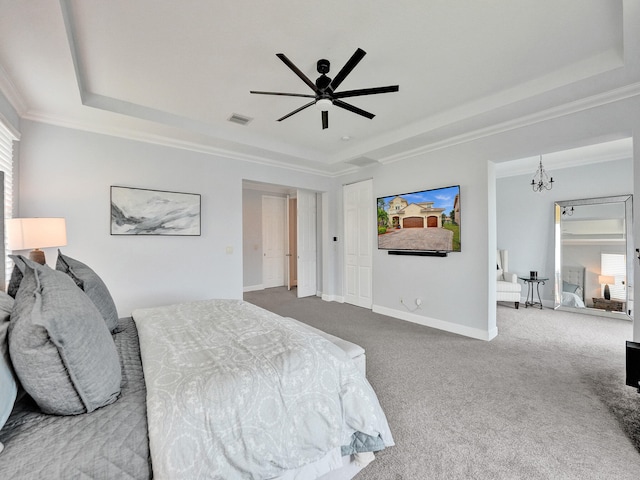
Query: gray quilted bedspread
[(109, 443)]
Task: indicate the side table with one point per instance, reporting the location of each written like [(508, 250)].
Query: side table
[(530, 290), (612, 305)]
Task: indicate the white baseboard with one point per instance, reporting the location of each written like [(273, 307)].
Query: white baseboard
[(253, 288), (333, 298), (439, 324)]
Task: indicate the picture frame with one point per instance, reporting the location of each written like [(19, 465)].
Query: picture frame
[(142, 211)]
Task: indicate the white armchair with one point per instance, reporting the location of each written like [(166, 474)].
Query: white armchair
[(507, 289)]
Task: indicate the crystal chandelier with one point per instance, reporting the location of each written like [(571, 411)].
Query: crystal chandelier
[(541, 181)]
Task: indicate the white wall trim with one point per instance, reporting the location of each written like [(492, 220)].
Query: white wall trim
[(332, 298), (439, 324), (576, 106), (11, 130), (153, 139), (253, 288), (11, 92)]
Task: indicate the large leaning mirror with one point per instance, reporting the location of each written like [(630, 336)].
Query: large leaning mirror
[(594, 256)]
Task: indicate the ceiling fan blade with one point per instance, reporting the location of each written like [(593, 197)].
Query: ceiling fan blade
[(366, 91), (296, 111), (297, 71), (283, 94), (325, 119), (351, 108), (346, 70)]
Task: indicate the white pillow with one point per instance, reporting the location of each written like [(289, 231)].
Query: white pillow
[(499, 277)]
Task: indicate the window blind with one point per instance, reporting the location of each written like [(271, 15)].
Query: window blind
[(615, 264), (6, 165)]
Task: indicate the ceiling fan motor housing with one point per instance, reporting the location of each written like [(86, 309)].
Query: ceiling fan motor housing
[(323, 66), (323, 82)]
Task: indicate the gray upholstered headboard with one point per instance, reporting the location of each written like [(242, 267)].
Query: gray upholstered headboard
[(574, 275)]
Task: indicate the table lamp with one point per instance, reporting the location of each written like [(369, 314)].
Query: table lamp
[(36, 233), (606, 280)]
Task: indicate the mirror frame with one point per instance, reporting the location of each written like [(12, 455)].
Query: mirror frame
[(629, 249)]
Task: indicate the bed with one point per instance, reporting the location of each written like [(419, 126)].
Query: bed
[(210, 389), (573, 286)]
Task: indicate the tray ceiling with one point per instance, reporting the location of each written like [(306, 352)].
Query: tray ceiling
[(175, 72)]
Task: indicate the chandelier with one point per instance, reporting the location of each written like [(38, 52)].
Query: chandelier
[(541, 181), (567, 211)]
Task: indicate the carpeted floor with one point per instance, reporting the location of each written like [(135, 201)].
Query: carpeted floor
[(544, 400)]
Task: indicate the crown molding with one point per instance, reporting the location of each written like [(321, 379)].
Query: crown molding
[(161, 140), (568, 108), (527, 166), (11, 92)]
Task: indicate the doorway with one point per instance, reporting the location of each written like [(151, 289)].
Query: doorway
[(280, 238)]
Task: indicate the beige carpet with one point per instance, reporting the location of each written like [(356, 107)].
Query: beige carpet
[(544, 400)]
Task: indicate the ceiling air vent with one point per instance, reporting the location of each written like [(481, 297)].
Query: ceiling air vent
[(362, 161), (239, 119)]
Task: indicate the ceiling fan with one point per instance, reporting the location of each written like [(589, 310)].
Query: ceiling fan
[(324, 88)]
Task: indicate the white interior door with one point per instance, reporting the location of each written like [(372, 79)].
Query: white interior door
[(307, 249), (292, 244), (358, 233), (273, 241)]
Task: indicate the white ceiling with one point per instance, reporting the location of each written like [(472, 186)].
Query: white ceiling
[(173, 72)]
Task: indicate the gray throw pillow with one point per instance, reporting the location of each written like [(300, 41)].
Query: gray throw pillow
[(14, 281), (60, 347), (93, 286), (20, 264), (569, 287), (6, 306), (8, 385)]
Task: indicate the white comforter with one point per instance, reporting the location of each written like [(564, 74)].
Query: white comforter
[(572, 300), (235, 391)]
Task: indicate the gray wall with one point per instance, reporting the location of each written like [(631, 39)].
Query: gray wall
[(68, 173), (525, 219)]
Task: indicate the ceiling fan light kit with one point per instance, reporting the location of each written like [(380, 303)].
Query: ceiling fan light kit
[(323, 104), (324, 88)]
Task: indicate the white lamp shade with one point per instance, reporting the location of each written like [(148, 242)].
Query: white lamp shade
[(28, 233), (606, 279)]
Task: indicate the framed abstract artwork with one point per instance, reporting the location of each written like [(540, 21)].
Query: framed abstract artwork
[(140, 211)]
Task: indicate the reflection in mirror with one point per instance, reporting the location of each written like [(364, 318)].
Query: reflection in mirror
[(594, 256)]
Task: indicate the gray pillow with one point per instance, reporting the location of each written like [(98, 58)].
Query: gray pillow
[(60, 347), (6, 306), (20, 263), (93, 286), (14, 281), (8, 385)]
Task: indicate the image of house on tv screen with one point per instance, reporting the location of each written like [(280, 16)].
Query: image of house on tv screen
[(428, 220)]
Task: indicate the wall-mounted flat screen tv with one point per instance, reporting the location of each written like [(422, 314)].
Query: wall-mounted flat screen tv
[(424, 221)]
